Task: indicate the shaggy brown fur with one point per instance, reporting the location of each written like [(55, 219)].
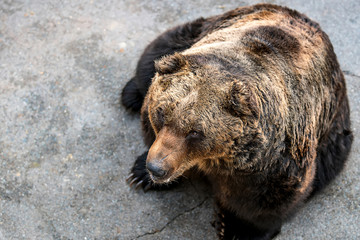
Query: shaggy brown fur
[(253, 98)]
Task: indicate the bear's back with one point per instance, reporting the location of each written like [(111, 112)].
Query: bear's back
[(288, 60)]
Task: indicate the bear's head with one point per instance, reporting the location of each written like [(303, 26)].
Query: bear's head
[(201, 115)]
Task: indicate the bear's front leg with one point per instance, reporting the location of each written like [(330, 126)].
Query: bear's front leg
[(230, 227), (139, 176)]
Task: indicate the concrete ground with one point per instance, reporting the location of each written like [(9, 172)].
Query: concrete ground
[(66, 144)]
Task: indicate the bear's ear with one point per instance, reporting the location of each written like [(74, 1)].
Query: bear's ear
[(242, 101), (170, 64)]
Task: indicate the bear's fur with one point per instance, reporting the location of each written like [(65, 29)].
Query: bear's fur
[(255, 99)]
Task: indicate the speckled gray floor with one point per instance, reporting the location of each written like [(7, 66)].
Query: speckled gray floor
[(66, 144)]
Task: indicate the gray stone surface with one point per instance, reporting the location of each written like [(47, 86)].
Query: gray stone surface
[(66, 144)]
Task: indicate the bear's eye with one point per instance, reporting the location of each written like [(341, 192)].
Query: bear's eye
[(194, 135)]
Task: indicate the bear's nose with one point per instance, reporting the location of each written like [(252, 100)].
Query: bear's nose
[(155, 170)]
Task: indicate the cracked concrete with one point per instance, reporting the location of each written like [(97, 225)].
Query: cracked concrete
[(348, 73), (157, 232), (66, 144)]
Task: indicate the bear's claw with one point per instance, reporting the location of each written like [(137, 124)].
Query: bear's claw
[(139, 176), (137, 182), (129, 177), (147, 187), (219, 224)]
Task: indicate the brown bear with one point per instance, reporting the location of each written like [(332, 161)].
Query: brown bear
[(256, 101)]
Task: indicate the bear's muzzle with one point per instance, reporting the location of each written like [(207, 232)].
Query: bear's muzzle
[(165, 156)]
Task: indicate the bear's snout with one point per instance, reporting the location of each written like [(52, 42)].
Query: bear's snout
[(165, 157), (155, 170)]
